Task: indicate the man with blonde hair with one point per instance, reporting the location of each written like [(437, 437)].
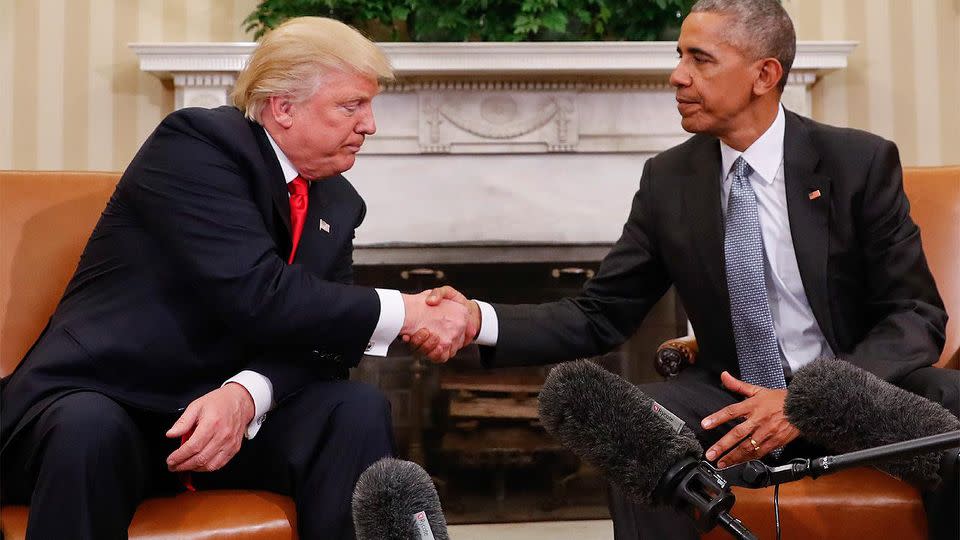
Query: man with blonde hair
[(217, 286)]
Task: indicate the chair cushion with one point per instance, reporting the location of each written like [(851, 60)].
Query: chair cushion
[(857, 503), (206, 515)]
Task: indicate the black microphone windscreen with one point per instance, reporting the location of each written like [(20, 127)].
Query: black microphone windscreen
[(844, 408), (613, 425), (396, 500)]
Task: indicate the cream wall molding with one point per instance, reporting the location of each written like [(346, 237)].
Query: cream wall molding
[(433, 59)]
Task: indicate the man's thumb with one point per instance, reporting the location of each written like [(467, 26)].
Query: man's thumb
[(437, 295)]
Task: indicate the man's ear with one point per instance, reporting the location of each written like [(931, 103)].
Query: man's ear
[(281, 109), (769, 76)]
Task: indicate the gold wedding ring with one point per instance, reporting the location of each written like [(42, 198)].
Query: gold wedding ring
[(756, 447)]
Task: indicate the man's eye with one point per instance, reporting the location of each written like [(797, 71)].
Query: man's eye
[(350, 107)]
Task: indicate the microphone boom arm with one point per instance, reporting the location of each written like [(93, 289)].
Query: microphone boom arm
[(756, 474)]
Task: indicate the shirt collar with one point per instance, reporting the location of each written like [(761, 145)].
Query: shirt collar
[(765, 154), (289, 173)]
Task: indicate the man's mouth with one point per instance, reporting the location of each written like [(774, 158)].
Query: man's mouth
[(686, 105)]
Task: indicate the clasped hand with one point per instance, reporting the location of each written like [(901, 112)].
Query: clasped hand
[(439, 323)]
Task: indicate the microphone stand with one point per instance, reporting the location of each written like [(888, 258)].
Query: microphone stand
[(756, 474)]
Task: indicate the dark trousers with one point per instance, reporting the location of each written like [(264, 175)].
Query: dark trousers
[(941, 506), (86, 462), (695, 394)]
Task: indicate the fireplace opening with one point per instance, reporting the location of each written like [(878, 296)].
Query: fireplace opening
[(475, 430)]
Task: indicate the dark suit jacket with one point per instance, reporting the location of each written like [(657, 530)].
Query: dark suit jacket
[(184, 280), (858, 251)]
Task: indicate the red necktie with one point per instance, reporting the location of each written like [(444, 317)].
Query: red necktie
[(298, 211), (185, 477)]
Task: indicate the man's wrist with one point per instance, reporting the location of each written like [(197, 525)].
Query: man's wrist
[(476, 317), (247, 404), (411, 306), (407, 300)]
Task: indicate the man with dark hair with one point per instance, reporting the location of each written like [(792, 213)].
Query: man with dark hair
[(786, 240)]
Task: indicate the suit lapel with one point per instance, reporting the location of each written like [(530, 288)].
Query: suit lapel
[(272, 198), (273, 178), (704, 216), (281, 202), (808, 207)]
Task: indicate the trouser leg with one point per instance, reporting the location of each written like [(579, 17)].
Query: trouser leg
[(82, 465), (314, 447), (941, 506), (936, 384)]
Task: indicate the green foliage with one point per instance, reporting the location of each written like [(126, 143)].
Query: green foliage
[(487, 20)]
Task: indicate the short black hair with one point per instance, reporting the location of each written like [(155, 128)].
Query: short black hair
[(760, 27)]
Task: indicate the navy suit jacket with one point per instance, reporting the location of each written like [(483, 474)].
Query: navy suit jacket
[(184, 281), (858, 251)]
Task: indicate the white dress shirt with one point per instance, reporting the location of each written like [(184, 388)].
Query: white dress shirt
[(798, 333), (388, 328)]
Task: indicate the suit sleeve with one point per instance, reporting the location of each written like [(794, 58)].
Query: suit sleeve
[(295, 370), (195, 196), (611, 306), (906, 311)]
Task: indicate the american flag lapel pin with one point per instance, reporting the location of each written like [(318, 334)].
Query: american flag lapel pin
[(324, 226), (815, 194)]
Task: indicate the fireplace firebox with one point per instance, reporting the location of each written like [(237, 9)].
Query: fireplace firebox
[(477, 430)]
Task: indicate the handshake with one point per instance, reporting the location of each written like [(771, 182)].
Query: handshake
[(439, 322)]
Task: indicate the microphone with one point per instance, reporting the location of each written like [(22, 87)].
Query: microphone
[(847, 409), (396, 500), (637, 444)]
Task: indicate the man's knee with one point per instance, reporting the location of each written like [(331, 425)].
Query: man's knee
[(364, 404), (936, 384), (87, 426)]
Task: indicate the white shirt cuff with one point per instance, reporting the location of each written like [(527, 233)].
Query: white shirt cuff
[(261, 390), (389, 323), (489, 326)]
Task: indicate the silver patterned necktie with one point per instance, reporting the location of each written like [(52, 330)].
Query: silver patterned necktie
[(756, 340)]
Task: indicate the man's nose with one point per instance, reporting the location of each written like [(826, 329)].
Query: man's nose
[(679, 76), (367, 124)]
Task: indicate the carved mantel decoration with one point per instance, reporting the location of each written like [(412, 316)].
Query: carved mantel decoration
[(506, 136)]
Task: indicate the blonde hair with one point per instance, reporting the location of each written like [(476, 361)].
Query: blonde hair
[(291, 60)]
